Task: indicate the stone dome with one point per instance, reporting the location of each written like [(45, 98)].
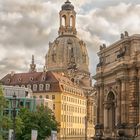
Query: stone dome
[(67, 6), (62, 49)]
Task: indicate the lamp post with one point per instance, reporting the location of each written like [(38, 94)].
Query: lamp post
[(14, 115)]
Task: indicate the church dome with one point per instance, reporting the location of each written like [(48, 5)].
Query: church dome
[(61, 52), (67, 6)]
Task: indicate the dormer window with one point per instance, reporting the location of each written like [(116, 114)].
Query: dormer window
[(43, 78), (34, 87), (19, 79), (47, 87), (8, 80), (31, 78), (41, 87), (22, 85), (29, 86)]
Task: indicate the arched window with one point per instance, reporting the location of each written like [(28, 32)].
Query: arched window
[(34, 87), (41, 87), (71, 21), (110, 111), (47, 87), (64, 20), (22, 85), (29, 86)]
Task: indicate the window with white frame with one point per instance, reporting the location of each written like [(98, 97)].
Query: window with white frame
[(34, 87), (47, 87), (29, 86), (22, 85), (41, 86)]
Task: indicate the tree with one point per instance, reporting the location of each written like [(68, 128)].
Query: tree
[(5, 121), (42, 120)]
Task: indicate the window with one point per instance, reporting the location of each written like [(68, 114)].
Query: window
[(8, 80), (22, 85), (47, 96), (35, 87), (19, 79), (53, 106), (64, 20), (44, 78), (41, 86), (29, 86), (21, 104), (47, 86), (40, 96), (31, 78), (27, 104), (53, 97)]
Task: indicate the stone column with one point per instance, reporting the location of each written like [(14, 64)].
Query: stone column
[(118, 110), (101, 103), (133, 102), (98, 127), (139, 102), (98, 105)]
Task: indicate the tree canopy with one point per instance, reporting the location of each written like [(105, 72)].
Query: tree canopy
[(5, 122), (41, 120)]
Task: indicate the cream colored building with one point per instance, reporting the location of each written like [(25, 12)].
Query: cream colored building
[(45, 102), (118, 89)]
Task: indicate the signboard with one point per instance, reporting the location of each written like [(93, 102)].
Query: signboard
[(11, 132), (34, 135), (53, 135)]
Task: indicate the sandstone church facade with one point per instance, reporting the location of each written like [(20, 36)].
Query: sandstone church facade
[(118, 89)]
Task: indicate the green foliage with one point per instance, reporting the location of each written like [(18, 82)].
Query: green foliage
[(2, 100), (42, 120), (5, 121)]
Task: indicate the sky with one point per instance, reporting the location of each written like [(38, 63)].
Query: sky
[(27, 27)]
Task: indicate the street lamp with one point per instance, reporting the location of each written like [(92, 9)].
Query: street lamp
[(14, 115)]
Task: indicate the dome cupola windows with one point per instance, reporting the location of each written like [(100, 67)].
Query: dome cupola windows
[(67, 19)]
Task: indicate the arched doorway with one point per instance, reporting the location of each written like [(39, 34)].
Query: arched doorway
[(110, 111)]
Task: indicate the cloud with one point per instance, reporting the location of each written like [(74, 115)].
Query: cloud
[(27, 26)]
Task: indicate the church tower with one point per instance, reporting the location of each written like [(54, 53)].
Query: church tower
[(67, 19), (32, 65), (68, 54)]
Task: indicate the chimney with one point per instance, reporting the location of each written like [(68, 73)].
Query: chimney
[(12, 73)]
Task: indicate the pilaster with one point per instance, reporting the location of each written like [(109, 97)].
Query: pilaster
[(123, 101), (101, 103), (133, 98), (118, 111)]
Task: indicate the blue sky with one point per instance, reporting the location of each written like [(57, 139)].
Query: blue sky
[(27, 27)]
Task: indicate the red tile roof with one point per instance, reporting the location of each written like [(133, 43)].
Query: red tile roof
[(31, 78)]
